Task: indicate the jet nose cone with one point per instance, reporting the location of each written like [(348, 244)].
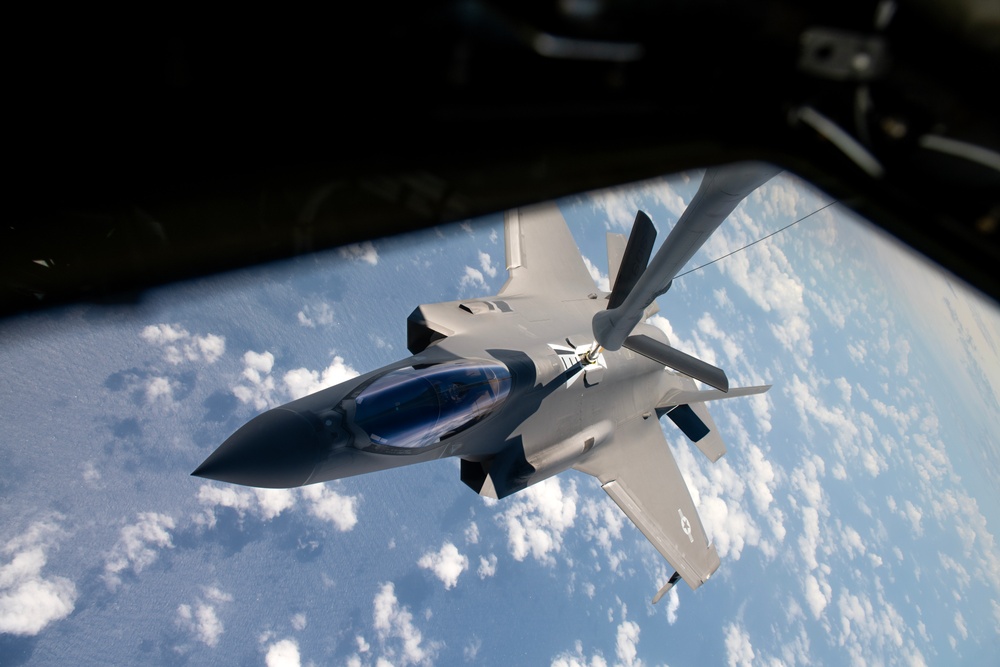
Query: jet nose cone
[(278, 449)]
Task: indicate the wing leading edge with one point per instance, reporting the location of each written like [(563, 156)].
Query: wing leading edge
[(640, 474), (542, 257)]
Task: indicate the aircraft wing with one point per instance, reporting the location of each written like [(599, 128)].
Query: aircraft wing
[(542, 257), (640, 474)]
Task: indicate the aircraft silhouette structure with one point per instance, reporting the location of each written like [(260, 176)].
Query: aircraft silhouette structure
[(549, 374)]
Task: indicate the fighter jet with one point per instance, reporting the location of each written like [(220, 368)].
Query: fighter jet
[(549, 374)]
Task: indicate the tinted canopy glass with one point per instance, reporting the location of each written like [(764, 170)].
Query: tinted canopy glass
[(413, 408)]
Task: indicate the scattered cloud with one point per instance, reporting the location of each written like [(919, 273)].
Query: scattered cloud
[(29, 600), (200, 618), (447, 564), (486, 265), (673, 604), (471, 279), (818, 594), (318, 314), (537, 518), (265, 504), (364, 252), (577, 658), (487, 566), (179, 345), (302, 381), (602, 280), (159, 390), (258, 386), (283, 653), (328, 505), (400, 641), (718, 493), (627, 643), (603, 525), (471, 650), (138, 546), (739, 650)]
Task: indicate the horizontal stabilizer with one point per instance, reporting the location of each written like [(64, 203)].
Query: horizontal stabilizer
[(688, 422), (687, 397), (679, 361)]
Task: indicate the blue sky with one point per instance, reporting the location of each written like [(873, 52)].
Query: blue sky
[(854, 514)]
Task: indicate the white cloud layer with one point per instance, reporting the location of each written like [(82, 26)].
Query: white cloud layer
[(30, 601)]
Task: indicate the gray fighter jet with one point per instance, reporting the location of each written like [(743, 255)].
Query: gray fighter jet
[(547, 375)]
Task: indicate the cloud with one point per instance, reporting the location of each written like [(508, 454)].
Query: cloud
[(283, 653), (401, 642), (447, 564), (913, 515), (577, 659), (818, 595), (201, 619), (600, 279), (257, 372), (739, 650), (179, 345), (471, 650), (471, 278), (265, 504), (488, 566), (159, 389), (472, 533), (537, 519), (302, 381), (137, 547), (328, 505), (960, 624), (364, 252), (673, 604), (762, 479), (809, 539), (485, 264), (766, 275), (604, 523), (619, 204), (626, 643), (258, 386), (30, 601), (320, 313)]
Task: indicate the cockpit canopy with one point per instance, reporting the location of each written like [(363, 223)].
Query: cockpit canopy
[(417, 407)]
